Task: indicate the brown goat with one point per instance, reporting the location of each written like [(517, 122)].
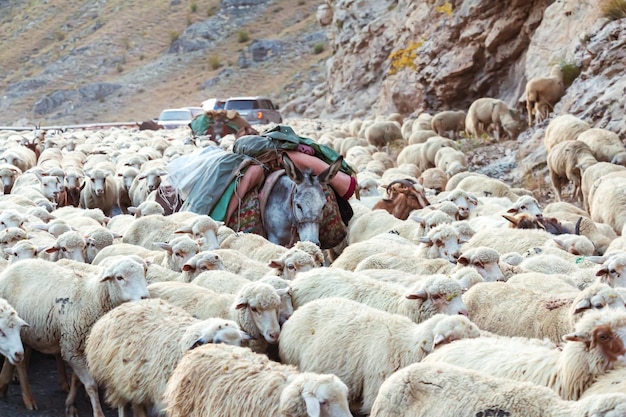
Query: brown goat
[(402, 198)]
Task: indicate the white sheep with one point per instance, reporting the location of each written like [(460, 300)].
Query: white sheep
[(133, 349), (605, 145), (272, 389), (100, 191), (484, 260), (449, 121), (544, 90), (591, 174), (176, 252), (427, 389), (567, 161), (510, 310), (10, 326), (255, 307), (8, 174), (592, 350), (485, 114), (607, 200), (451, 161), (380, 134), (62, 303), (563, 128), (363, 365), (433, 295)]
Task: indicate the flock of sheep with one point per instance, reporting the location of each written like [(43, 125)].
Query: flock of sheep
[(469, 300)]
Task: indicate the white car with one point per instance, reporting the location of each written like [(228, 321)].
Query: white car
[(174, 118)]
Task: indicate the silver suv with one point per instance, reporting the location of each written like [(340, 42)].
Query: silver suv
[(256, 110)]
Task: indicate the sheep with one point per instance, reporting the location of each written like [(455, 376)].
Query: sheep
[(451, 161), (10, 326), (19, 156), (146, 208), (145, 182), (513, 240), (449, 121), (485, 113), (592, 350), (380, 134), (8, 174), (486, 187), (363, 365), (591, 174), (563, 128), (177, 252), (605, 145), (433, 295), (24, 249), (420, 136), (69, 245), (442, 241), (567, 161), (272, 389), (133, 349), (427, 389), (607, 202), (99, 191), (9, 237), (544, 90), (124, 182), (510, 310), (423, 154), (484, 260), (145, 231), (255, 307), (224, 282), (434, 179), (31, 186), (61, 305), (465, 202)]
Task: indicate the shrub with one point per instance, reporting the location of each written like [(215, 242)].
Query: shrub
[(194, 7), (613, 9), (243, 36), (174, 36), (445, 8), (570, 73), (318, 48), (214, 62), (212, 11), (119, 67)]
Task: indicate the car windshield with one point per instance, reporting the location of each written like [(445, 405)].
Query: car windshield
[(240, 105), (175, 115)]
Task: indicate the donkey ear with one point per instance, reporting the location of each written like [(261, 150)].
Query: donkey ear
[(329, 173), (292, 170)]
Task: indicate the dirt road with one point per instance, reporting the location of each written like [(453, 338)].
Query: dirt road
[(49, 396)]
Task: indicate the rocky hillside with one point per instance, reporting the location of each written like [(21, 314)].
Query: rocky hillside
[(117, 60), (69, 61)]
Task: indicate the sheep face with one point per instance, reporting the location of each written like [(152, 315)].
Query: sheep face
[(10, 341), (127, 277), (485, 262), (526, 204), (443, 293), (262, 309), (8, 176), (613, 272), (452, 328), (217, 330), (51, 187), (443, 242), (315, 395)]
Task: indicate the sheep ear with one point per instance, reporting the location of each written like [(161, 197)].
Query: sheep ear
[(463, 261), (312, 404), (596, 259), (133, 210), (604, 270), (276, 263), (417, 295), (426, 240), (582, 306), (9, 251), (188, 267), (577, 337), (244, 335), (420, 220), (282, 291), (513, 210), (241, 303), (438, 340), (164, 246), (185, 229), (51, 249), (20, 322), (512, 219), (560, 244), (106, 276)]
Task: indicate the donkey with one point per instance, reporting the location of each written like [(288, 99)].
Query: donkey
[(294, 205)]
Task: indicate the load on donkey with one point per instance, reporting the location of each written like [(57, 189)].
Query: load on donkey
[(277, 184), (218, 123)]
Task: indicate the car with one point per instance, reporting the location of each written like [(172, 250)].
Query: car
[(195, 110), (174, 118), (255, 110), (213, 104)]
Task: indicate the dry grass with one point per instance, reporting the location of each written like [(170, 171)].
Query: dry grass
[(613, 9), (142, 32)]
